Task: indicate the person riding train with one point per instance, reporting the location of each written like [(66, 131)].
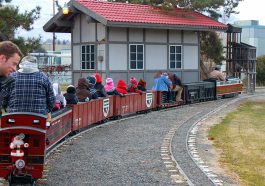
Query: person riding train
[(216, 74)]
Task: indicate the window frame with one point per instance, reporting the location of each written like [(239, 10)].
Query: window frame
[(86, 61), (175, 61), (136, 60)]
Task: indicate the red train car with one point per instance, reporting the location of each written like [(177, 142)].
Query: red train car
[(59, 128), (22, 147), (94, 111), (229, 88)]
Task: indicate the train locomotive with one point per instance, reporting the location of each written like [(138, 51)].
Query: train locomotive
[(25, 138)]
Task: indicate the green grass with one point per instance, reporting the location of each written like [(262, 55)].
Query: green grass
[(241, 137)]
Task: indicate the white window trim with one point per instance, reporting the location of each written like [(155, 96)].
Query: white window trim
[(85, 54), (180, 53), (136, 53)]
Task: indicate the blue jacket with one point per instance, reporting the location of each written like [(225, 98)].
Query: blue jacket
[(161, 83)]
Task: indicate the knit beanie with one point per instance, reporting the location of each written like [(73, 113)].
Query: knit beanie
[(71, 89), (98, 78), (133, 81), (91, 80), (109, 84)]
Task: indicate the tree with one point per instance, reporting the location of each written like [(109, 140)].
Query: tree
[(211, 47), (260, 68), (11, 20)]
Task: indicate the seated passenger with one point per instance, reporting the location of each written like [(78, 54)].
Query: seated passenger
[(82, 91), (176, 87), (217, 74), (122, 87), (99, 87), (142, 85), (133, 87), (91, 83), (31, 91), (163, 84), (70, 95), (60, 99), (110, 88)]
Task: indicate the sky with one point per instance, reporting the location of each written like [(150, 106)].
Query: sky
[(248, 10)]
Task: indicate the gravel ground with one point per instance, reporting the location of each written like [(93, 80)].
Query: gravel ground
[(123, 153)]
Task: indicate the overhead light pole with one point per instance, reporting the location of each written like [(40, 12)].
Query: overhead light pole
[(53, 34)]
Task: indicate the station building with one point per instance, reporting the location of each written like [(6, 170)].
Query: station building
[(121, 40)]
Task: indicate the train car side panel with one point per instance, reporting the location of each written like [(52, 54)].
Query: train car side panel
[(60, 127)]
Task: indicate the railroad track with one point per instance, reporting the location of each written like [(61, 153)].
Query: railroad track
[(180, 149)]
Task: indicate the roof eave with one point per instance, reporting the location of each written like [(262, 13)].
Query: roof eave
[(166, 26), (90, 13)]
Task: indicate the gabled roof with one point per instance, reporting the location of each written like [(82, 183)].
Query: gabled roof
[(115, 14)]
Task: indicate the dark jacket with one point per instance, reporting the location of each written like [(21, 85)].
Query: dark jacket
[(100, 90), (114, 92), (82, 91), (175, 80), (70, 95), (4, 83)]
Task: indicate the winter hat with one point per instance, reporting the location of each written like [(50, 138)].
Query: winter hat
[(98, 78), (121, 86), (28, 65), (91, 80), (142, 82), (71, 89), (109, 84), (133, 81), (82, 83)]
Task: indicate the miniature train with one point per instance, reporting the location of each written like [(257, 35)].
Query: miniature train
[(25, 138)]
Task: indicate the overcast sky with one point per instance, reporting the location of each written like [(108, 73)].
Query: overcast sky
[(249, 9)]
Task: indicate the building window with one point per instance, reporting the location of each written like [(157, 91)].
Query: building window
[(136, 57), (175, 53), (88, 57)]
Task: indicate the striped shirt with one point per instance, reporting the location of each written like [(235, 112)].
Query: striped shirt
[(30, 92)]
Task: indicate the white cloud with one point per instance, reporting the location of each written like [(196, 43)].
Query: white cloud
[(251, 10)]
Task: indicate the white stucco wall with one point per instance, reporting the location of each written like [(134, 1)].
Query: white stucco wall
[(136, 35), (101, 32), (153, 35), (76, 58), (190, 37), (101, 52), (118, 60), (87, 30), (190, 57), (174, 36), (117, 34), (156, 57), (76, 29)]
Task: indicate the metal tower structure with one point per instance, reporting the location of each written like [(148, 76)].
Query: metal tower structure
[(240, 59)]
